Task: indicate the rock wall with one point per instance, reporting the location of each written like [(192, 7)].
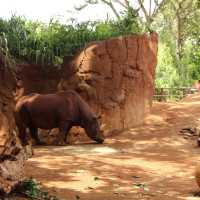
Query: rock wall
[(12, 156), (116, 77)]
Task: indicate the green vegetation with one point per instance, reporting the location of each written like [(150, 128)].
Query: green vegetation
[(179, 52), (31, 189), (176, 22), (40, 43)]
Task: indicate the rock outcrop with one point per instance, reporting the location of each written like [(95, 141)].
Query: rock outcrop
[(116, 77)]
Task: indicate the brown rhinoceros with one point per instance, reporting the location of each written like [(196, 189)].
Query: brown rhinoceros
[(59, 110)]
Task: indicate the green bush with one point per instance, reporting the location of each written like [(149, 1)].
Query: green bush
[(36, 42), (31, 189), (166, 73)]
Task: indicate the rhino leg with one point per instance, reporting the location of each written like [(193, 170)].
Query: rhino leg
[(34, 135), (22, 134), (64, 129)]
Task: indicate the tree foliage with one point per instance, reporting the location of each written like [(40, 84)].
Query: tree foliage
[(37, 42), (167, 75), (149, 8), (178, 28)]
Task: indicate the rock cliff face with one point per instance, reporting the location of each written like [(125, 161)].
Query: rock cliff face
[(12, 156), (116, 77)]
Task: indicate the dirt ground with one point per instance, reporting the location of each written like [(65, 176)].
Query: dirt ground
[(154, 161)]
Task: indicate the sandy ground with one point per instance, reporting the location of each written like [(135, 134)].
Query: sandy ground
[(153, 161)]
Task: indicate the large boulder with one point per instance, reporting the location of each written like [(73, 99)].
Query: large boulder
[(116, 77)]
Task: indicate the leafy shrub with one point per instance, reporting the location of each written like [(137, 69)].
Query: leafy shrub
[(40, 43), (31, 189)]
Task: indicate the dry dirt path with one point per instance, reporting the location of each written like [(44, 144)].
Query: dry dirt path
[(149, 162)]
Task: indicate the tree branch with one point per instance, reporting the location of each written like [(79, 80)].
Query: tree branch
[(124, 5), (110, 4), (158, 7), (92, 1), (150, 7), (144, 10), (80, 7)]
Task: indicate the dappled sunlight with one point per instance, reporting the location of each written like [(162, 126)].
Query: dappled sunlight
[(84, 173), (114, 168), (115, 172), (80, 149), (148, 165), (80, 180), (157, 120), (104, 150)]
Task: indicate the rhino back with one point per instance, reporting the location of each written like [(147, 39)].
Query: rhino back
[(48, 111)]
